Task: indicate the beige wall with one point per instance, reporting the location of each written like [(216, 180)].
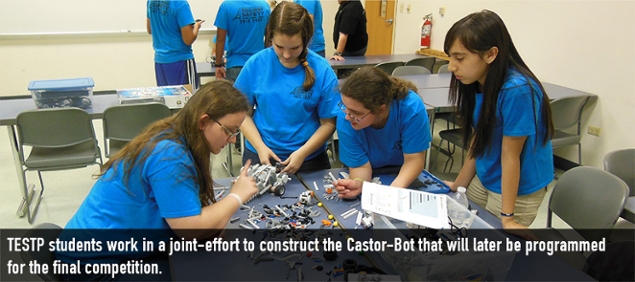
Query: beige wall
[(586, 45)]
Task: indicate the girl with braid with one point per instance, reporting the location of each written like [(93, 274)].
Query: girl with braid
[(294, 94), (383, 123)]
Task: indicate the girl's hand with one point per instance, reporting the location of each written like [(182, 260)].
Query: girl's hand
[(265, 155), (244, 186), (348, 188), (293, 163), (451, 185), (513, 227)]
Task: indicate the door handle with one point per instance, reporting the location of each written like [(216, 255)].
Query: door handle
[(389, 21)]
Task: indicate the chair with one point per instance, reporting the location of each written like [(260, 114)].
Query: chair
[(621, 163), (589, 200), (613, 264), (426, 62), (443, 69), (389, 67), (566, 113), (60, 139), (123, 123), (454, 137), (410, 70), (49, 232)]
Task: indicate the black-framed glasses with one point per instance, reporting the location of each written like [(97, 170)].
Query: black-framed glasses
[(352, 116), (231, 134)]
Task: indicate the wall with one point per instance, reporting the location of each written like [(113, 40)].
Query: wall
[(585, 45)]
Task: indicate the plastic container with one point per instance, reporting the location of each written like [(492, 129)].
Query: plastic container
[(63, 93), (174, 97), (434, 266), (459, 216)]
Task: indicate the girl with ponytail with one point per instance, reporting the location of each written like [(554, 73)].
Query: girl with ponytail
[(294, 93), (383, 123)]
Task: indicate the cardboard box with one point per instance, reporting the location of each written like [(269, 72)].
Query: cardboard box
[(62, 93), (174, 97)]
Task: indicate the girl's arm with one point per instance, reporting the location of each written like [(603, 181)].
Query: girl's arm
[(321, 135), (349, 188), (248, 128), (412, 166), (510, 164), (468, 170)]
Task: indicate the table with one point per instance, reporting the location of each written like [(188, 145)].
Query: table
[(205, 69), (199, 266)]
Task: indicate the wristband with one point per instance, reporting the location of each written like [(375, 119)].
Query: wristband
[(337, 53), (221, 65), (240, 202), (362, 180), (507, 214)]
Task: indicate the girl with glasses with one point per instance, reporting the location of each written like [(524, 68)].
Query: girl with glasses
[(507, 121), (162, 181), (383, 123), (294, 92)]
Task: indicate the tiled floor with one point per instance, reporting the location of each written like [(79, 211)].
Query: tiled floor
[(65, 190)]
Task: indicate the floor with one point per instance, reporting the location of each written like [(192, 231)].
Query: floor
[(65, 190)]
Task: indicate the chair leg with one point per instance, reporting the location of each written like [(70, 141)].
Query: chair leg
[(25, 208), (579, 154), (229, 163)]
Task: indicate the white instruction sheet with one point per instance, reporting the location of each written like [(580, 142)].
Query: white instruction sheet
[(408, 205)]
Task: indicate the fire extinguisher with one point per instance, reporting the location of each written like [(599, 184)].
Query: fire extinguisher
[(426, 28)]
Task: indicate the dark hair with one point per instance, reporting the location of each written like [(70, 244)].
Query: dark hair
[(290, 19), (216, 99), (479, 32), (373, 88)]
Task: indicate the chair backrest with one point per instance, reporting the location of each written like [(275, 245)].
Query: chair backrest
[(567, 112), (55, 128), (388, 67), (125, 122), (621, 163), (48, 232), (426, 62), (443, 69), (589, 200), (410, 70)]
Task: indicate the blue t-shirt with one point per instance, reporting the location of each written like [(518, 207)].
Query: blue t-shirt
[(286, 115), (407, 131), (166, 20), (245, 22), (164, 186), (515, 116), (315, 8)]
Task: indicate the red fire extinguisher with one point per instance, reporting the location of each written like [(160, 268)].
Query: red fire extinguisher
[(426, 29)]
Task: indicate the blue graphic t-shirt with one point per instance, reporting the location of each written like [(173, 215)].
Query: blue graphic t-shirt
[(245, 22), (286, 115)]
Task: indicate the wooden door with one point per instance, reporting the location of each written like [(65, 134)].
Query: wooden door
[(380, 15)]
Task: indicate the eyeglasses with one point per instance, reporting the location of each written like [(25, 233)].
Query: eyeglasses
[(231, 134), (352, 116)]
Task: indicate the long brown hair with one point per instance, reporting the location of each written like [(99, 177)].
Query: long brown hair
[(374, 88), (479, 32), (290, 19), (216, 99)]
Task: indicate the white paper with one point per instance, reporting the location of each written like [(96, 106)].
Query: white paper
[(422, 208)]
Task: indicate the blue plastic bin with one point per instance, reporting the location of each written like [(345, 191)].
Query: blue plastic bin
[(62, 93)]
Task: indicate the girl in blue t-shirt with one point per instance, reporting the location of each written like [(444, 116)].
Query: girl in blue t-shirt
[(507, 118), (294, 92), (383, 123), (162, 181)]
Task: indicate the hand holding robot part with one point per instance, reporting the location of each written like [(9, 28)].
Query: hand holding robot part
[(245, 186), (348, 188)]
